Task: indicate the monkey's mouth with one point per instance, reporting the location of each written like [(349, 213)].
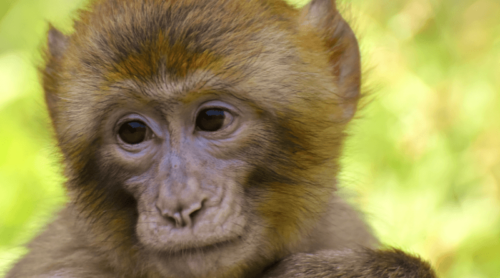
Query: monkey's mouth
[(203, 249)]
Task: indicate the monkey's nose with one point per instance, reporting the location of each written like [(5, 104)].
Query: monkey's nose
[(182, 216), (180, 202)]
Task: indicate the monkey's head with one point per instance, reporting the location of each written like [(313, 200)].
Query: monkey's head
[(202, 136)]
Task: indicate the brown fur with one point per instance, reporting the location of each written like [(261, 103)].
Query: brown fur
[(364, 263), (294, 74)]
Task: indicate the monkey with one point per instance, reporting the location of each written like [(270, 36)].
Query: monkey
[(201, 138)]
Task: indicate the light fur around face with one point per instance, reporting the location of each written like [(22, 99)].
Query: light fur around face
[(242, 107)]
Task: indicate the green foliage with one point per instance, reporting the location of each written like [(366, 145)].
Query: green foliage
[(423, 160)]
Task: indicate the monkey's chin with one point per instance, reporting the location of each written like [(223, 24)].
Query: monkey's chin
[(224, 259)]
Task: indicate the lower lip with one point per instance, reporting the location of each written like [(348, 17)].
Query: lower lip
[(203, 249)]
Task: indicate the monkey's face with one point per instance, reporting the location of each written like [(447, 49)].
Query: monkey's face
[(215, 174), (190, 191), (187, 167), (220, 179), (202, 139)]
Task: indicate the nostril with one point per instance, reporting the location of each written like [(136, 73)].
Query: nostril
[(181, 217), (190, 214), (178, 219), (173, 218), (194, 213), (170, 220)]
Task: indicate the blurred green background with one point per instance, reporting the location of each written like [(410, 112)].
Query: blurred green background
[(423, 160)]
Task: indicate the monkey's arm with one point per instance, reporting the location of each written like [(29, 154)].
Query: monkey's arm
[(365, 263), (61, 251)]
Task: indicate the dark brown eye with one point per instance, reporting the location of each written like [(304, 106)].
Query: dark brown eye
[(211, 119), (133, 132)]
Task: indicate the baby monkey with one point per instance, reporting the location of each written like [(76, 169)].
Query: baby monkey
[(201, 138)]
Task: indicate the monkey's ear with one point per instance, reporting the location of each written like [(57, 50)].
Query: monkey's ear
[(323, 17), (57, 42)]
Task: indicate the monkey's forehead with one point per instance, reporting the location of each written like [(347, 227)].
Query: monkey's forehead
[(252, 47), (138, 34)]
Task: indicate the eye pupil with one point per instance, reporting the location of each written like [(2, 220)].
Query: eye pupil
[(133, 132), (210, 119)]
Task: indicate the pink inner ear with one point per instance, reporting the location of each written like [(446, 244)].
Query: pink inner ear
[(319, 8), (57, 42)]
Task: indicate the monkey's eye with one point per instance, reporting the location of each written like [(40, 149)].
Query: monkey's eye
[(212, 119), (133, 132)]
